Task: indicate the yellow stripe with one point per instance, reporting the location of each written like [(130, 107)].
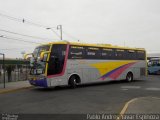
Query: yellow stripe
[(105, 67), (95, 45), (48, 60)]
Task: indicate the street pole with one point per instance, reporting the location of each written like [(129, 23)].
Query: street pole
[(59, 27), (3, 69)]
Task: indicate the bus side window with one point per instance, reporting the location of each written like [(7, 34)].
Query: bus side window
[(141, 55), (131, 54), (119, 54), (107, 53), (76, 52), (93, 53)]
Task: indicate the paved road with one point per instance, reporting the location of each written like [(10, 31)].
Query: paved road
[(98, 98)]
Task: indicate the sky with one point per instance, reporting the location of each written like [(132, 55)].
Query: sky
[(131, 23)]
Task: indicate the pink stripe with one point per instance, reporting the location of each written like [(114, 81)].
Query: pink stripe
[(64, 67), (116, 74)]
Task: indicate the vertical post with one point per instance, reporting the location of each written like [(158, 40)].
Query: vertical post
[(4, 71), (26, 71), (60, 27), (18, 72)]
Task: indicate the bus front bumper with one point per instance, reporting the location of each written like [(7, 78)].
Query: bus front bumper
[(39, 82)]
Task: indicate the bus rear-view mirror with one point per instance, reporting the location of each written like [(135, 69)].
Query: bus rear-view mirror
[(28, 56), (43, 56)]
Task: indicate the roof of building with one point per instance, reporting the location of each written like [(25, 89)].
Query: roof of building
[(14, 61)]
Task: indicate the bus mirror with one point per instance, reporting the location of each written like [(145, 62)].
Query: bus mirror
[(43, 56), (28, 56)]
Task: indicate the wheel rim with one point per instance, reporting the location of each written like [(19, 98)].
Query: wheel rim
[(74, 81), (129, 78)]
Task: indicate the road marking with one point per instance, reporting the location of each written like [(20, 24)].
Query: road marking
[(13, 90), (127, 104), (125, 108), (131, 87), (153, 89), (124, 89)]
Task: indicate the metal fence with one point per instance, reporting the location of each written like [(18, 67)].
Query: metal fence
[(15, 72)]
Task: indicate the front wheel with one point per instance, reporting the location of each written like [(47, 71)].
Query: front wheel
[(73, 82), (129, 77)]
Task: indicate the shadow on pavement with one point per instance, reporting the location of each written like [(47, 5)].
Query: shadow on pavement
[(59, 88)]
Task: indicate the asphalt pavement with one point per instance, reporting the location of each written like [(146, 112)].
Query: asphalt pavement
[(109, 97)]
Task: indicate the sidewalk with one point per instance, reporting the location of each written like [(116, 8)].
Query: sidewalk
[(14, 86)]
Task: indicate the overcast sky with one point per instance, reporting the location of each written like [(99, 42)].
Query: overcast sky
[(133, 23)]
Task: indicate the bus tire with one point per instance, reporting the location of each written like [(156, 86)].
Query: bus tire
[(129, 77), (73, 82)]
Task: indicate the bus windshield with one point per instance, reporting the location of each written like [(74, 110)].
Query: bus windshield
[(154, 66), (38, 50), (37, 66), (154, 62)]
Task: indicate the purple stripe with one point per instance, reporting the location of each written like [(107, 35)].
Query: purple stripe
[(111, 72)]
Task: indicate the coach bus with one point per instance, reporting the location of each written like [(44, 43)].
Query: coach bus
[(69, 63), (154, 66)]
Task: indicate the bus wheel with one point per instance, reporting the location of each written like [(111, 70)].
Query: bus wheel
[(73, 82), (129, 77)]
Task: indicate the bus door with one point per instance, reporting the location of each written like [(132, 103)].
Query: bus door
[(57, 59)]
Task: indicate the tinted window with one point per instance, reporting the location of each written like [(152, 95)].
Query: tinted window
[(56, 60), (131, 55), (119, 54), (83, 52), (107, 53), (93, 53), (76, 52), (141, 55)]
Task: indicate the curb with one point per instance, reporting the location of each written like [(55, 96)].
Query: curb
[(14, 90)]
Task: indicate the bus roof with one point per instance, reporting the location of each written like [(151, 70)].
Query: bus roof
[(94, 45)]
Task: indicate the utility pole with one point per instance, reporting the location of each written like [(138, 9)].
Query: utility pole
[(59, 27)]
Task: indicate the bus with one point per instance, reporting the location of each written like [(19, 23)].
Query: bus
[(154, 66), (70, 63)]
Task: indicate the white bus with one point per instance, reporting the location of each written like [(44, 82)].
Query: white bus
[(68, 63)]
